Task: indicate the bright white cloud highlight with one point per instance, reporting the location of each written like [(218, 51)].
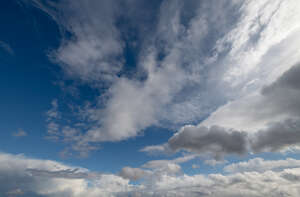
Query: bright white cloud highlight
[(195, 58), (254, 178)]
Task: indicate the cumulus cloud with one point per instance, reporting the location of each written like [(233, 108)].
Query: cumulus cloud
[(279, 136), (214, 140), (254, 178), (265, 121), (134, 173), (34, 177), (153, 169), (219, 142), (21, 175)]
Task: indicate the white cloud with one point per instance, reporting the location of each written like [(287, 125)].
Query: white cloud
[(195, 166), (261, 165), (250, 184), (275, 102), (196, 57), (153, 169), (21, 175), (213, 162), (27, 176), (264, 121)]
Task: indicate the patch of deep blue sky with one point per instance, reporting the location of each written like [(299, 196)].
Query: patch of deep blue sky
[(29, 82)]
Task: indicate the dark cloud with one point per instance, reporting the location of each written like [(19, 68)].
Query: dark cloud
[(279, 99), (66, 174), (134, 173), (215, 140), (277, 136)]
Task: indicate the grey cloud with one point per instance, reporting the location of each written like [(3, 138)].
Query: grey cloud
[(134, 173), (273, 103), (219, 142), (35, 177), (66, 174), (289, 79), (153, 169), (277, 107), (15, 179), (278, 136), (214, 140), (163, 166), (194, 57)]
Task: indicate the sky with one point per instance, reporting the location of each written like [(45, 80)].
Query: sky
[(150, 98)]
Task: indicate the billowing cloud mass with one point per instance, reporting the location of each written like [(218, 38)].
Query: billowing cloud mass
[(23, 176), (222, 75), (20, 175), (190, 58), (274, 112)]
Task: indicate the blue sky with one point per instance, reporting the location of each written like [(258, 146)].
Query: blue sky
[(139, 98)]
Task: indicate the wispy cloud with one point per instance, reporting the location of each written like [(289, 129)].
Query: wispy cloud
[(187, 65), (6, 47), (19, 133)]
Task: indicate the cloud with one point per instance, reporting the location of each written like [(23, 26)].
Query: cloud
[(265, 121), (193, 58), (219, 142), (257, 177), (15, 192), (66, 173), (285, 178), (274, 102), (195, 166), (6, 47), (261, 165), (90, 46), (156, 168), (134, 173), (19, 133), (213, 162), (214, 141), (278, 136), (34, 177)]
